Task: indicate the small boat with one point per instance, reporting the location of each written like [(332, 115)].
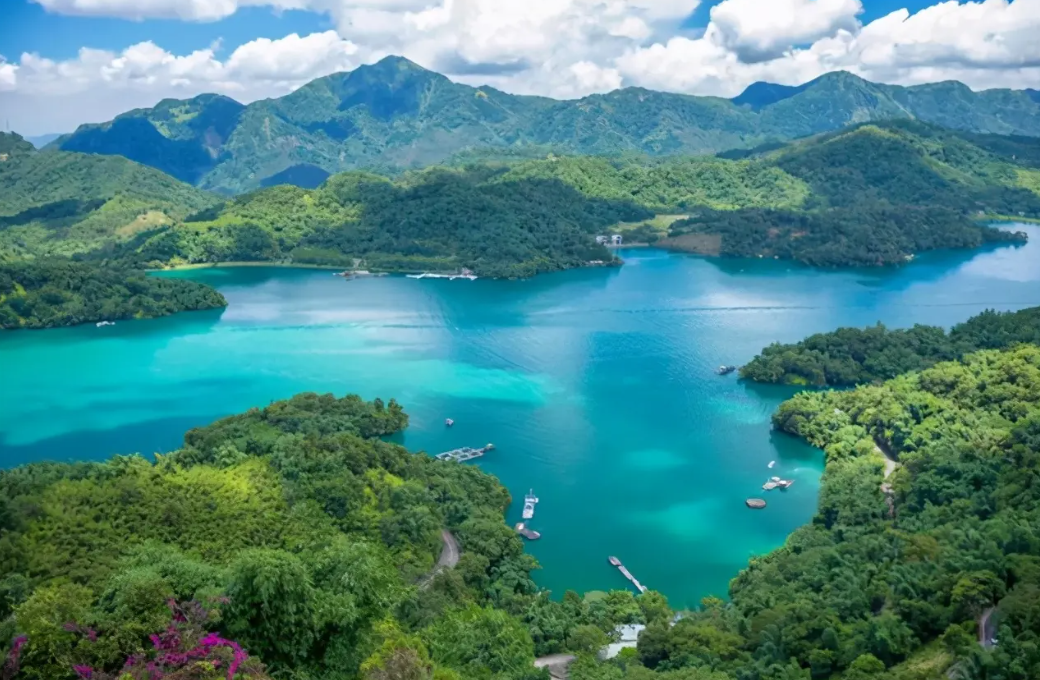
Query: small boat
[(530, 500), (769, 486), (449, 422), (615, 562), (102, 324), (771, 464), (785, 483), (529, 534), (725, 370)]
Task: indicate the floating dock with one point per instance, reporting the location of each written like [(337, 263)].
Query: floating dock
[(755, 503), (530, 500), (529, 534), (450, 277), (777, 483), (627, 574), (464, 454)]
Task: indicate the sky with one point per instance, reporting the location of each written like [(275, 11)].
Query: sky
[(68, 62)]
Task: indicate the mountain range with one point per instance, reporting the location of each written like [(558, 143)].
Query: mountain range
[(395, 115)]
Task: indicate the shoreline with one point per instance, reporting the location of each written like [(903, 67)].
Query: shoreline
[(231, 265)]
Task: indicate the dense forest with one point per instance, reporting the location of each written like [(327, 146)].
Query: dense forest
[(289, 541), (868, 196), (57, 292), (853, 356), (293, 542)]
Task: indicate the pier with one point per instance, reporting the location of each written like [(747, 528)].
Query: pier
[(627, 574), (464, 454)]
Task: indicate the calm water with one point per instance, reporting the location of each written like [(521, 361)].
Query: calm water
[(597, 386)]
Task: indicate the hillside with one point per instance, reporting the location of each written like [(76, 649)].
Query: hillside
[(437, 219), (877, 194), (61, 203), (395, 114), (853, 356), (47, 293)]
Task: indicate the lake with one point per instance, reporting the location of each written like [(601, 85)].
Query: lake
[(596, 386)]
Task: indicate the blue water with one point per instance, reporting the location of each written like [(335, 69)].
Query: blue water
[(597, 386)]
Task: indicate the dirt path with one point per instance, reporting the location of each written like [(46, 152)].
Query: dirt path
[(891, 465), (449, 558), (987, 631), (556, 663)]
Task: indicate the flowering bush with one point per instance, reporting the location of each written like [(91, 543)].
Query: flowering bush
[(184, 651)]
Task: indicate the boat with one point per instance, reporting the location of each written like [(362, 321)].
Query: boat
[(725, 370), (615, 562), (771, 464), (530, 500), (101, 324), (529, 534), (785, 483), (449, 422), (769, 486)]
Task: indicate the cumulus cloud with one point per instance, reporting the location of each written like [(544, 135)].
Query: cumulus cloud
[(561, 48)]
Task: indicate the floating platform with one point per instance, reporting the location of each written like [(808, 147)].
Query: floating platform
[(755, 503), (529, 534), (450, 277), (530, 500), (464, 454), (615, 562)]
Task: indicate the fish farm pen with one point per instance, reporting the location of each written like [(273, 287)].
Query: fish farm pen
[(464, 454)]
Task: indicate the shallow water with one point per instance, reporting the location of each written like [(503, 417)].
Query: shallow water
[(596, 386)]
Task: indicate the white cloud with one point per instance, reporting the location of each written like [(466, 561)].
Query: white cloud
[(562, 48), (765, 28)]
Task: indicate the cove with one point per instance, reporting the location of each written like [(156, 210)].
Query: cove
[(596, 386)]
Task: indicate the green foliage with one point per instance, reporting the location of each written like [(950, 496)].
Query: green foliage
[(850, 356), (305, 530), (54, 292), (60, 203), (395, 115)]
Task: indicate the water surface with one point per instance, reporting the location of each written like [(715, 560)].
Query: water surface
[(596, 386)]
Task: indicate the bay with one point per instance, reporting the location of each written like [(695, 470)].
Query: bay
[(596, 386)]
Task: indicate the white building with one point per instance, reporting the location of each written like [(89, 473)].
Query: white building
[(628, 636), (616, 239)]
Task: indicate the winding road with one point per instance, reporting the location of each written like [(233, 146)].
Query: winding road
[(449, 558), (556, 663)]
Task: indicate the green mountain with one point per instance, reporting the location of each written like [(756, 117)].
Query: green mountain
[(877, 194), (62, 203), (394, 115)]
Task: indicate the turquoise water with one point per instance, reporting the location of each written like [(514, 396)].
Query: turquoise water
[(596, 386)]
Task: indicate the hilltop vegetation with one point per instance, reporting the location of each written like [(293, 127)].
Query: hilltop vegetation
[(395, 115), (58, 203), (55, 292), (876, 195), (850, 356)]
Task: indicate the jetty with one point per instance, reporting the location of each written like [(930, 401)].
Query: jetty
[(464, 454), (450, 277), (530, 500), (626, 573), (529, 534)]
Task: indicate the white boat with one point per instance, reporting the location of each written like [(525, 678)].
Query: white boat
[(449, 422), (101, 324), (529, 502), (771, 464)]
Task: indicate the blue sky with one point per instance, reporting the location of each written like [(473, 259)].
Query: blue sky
[(68, 62)]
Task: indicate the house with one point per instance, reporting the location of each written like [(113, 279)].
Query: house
[(615, 240), (601, 240), (627, 636)]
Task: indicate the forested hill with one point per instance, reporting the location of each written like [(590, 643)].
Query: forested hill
[(436, 220), (853, 356), (60, 203), (47, 293), (395, 114)]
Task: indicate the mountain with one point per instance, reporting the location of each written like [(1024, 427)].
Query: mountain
[(40, 141), (62, 203), (394, 115)]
